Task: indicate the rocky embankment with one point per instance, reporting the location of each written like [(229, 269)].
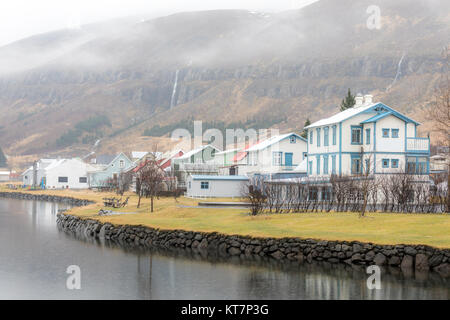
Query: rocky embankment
[(45, 197), (407, 257)]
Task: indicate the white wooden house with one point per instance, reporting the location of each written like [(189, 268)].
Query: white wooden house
[(369, 136), (57, 174), (278, 154)]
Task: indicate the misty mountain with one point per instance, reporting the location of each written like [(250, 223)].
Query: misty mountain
[(230, 66)]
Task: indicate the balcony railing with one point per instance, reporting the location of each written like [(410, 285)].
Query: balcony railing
[(421, 145)]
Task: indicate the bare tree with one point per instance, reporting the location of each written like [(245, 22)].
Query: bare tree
[(366, 184), (149, 180), (254, 193), (439, 113)]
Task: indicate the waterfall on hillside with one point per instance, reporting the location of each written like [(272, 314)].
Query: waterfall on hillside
[(397, 74), (174, 91)]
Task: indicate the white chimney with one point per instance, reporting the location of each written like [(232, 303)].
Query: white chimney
[(368, 99), (358, 101)]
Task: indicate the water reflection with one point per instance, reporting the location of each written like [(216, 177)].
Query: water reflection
[(35, 254)]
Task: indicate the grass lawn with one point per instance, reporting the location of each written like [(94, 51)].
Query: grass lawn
[(381, 228)]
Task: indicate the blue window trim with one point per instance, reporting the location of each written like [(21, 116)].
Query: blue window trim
[(310, 167), (394, 163), (204, 185), (318, 137), (333, 164), (326, 136), (311, 138), (325, 164), (318, 164), (396, 133), (367, 136), (383, 131), (385, 165), (334, 134), (292, 139), (273, 158), (360, 135), (353, 158)]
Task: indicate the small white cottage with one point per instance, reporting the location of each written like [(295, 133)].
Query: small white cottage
[(215, 186), (66, 173)]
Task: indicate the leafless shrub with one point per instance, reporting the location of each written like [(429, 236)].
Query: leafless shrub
[(254, 193)]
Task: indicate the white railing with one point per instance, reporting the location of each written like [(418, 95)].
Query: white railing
[(418, 144)]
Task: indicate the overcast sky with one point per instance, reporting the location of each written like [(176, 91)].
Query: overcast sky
[(23, 18)]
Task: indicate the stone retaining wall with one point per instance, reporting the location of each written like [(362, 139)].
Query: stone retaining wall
[(44, 197), (418, 257)]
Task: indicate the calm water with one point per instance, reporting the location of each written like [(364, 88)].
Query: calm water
[(34, 256)]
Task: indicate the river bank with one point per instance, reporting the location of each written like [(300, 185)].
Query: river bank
[(83, 220), (420, 258)]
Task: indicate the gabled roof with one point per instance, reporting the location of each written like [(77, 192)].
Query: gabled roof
[(113, 160), (138, 154), (382, 115), (194, 151), (105, 158), (351, 112), (272, 140)]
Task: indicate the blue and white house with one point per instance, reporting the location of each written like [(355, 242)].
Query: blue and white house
[(277, 155), (102, 173), (370, 136)]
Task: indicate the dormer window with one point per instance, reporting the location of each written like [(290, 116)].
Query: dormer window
[(293, 139)]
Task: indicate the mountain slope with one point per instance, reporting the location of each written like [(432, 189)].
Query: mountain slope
[(230, 65)]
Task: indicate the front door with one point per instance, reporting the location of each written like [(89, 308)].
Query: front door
[(288, 159)]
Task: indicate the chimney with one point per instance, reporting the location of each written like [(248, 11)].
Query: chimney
[(358, 101), (368, 99)]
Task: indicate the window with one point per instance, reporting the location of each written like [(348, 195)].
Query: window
[(318, 164), (385, 163), (82, 180), (310, 137), (204, 185), (313, 193), (190, 185), (411, 165), (394, 163), (318, 137), (417, 165), (304, 155), (326, 193), (325, 136), (325, 164), (422, 163), (293, 139), (356, 165), (367, 136), (63, 179), (310, 167), (333, 164), (385, 133), (356, 135), (334, 135), (367, 164), (277, 158), (121, 164), (394, 133)]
